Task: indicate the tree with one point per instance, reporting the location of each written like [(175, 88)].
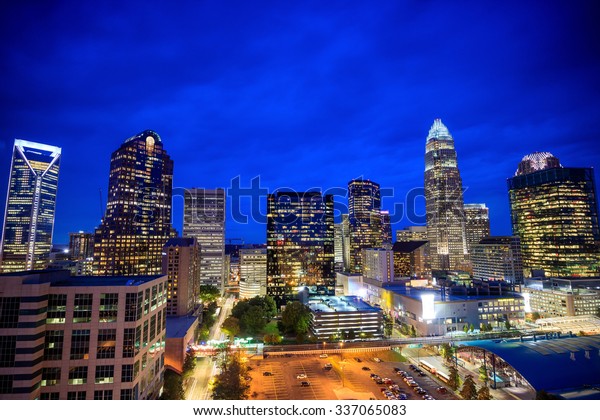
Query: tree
[(507, 325), (483, 393), (447, 352), (466, 328), (472, 328), (483, 375), (267, 303), (454, 380), (413, 332), (188, 365), (172, 387), (208, 293), (240, 309), (535, 316), (272, 339), (295, 318), (469, 390), (253, 320), (231, 384), (231, 327)]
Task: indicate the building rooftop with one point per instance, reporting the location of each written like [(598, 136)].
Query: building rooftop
[(62, 278), (178, 326), (408, 246), (340, 304), (180, 242), (418, 292)]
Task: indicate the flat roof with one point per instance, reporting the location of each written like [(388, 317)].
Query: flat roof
[(105, 281), (418, 292), (340, 304), (178, 326)]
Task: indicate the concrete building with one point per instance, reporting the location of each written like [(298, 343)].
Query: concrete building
[(344, 318), (338, 246), (253, 272), (560, 297), (410, 259), (477, 223), (81, 338), (181, 264), (498, 258), (412, 233), (81, 245), (378, 264)]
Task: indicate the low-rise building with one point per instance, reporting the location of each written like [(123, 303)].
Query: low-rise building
[(558, 297)]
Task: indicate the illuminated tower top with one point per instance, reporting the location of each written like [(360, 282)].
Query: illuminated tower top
[(439, 131), (537, 161)]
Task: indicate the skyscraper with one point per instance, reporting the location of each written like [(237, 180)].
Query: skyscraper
[(386, 228), (346, 241), (444, 201), (204, 219), (81, 245), (137, 222), (299, 244), (30, 207), (498, 258), (477, 224), (338, 246), (181, 264), (554, 210), (364, 207), (253, 272)]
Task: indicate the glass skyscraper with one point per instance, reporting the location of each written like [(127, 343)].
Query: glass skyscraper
[(554, 210), (364, 218), (30, 207), (137, 222), (300, 244), (477, 224), (444, 201)]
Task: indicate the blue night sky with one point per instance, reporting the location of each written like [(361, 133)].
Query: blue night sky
[(302, 94)]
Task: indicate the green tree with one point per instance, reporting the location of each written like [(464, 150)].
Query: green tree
[(507, 325), (469, 390), (272, 339), (172, 387), (472, 328), (466, 328), (208, 293), (454, 380), (231, 384), (483, 375), (536, 315), (483, 393), (188, 365), (231, 327), (447, 352), (295, 318), (413, 332), (240, 309), (253, 320), (267, 303)]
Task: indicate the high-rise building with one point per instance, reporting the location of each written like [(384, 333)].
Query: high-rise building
[(253, 272), (81, 245), (137, 222), (181, 264), (346, 241), (81, 338), (477, 223), (204, 219), (338, 246), (444, 201), (30, 207), (554, 210), (412, 233), (300, 240), (386, 228), (410, 259), (364, 217), (498, 258), (378, 264)]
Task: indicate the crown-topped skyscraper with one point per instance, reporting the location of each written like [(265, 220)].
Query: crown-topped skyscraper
[(444, 201)]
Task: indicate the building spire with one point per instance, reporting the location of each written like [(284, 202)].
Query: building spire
[(438, 130)]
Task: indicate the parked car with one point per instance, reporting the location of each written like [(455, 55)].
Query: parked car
[(388, 381), (323, 356), (428, 397), (412, 367), (301, 376), (402, 396), (305, 383), (441, 390), (420, 391), (267, 374), (358, 359), (366, 368), (377, 359)]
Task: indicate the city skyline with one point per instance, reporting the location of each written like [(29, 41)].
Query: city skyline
[(283, 92)]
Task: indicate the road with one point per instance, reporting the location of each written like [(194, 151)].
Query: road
[(198, 388)]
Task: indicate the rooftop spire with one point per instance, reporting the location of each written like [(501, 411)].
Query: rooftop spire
[(438, 130)]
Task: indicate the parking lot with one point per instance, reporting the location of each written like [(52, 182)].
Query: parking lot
[(349, 377)]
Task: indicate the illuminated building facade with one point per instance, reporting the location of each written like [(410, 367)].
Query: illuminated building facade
[(81, 338), (30, 207), (346, 241), (386, 228), (556, 297), (378, 264), (204, 219), (137, 222), (300, 244), (498, 258), (412, 233), (409, 259), (338, 246), (364, 218), (554, 210), (444, 201), (81, 245), (181, 264), (253, 272), (477, 223)]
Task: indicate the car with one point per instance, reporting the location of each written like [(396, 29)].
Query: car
[(420, 391), (428, 397), (358, 359), (327, 366), (441, 390), (377, 359), (420, 373), (379, 381), (366, 368), (407, 379), (397, 369), (383, 390), (304, 383), (267, 374), (402, 396), (323, 356), (388, 381), (413, 384), (301, 376), (412, 367), (402, 373), (374, 375)]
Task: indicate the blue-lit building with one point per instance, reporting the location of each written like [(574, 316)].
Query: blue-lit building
[(30, 207), (365, 220)]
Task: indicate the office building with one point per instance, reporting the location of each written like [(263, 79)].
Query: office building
[(181, 264), (412, 233), (81, 245), (30, 207), (300, 244), (137, 221), (338, 246), (562, 297), (477, 223), (410, 259), (444, 201), (554, 210), (346, 241), (204, 219), (386, 228), (364, 218), (498, 258), (253, 272), (378, 264), (81, 338)]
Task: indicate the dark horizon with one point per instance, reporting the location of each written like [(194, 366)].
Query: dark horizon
[(302, 95)]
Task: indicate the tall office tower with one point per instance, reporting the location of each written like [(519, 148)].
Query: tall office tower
[(477, 223), (137, 222), (346, 241), (30, 207), (386, 228), (181, 264), (444, 201), (253, 272), (378, 264), (81, 245), (204, 219), (299, 244), (412, 233), (338, 246), (364, 207), (554, 210), (81, 338), (498, 258), (410, 259)]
